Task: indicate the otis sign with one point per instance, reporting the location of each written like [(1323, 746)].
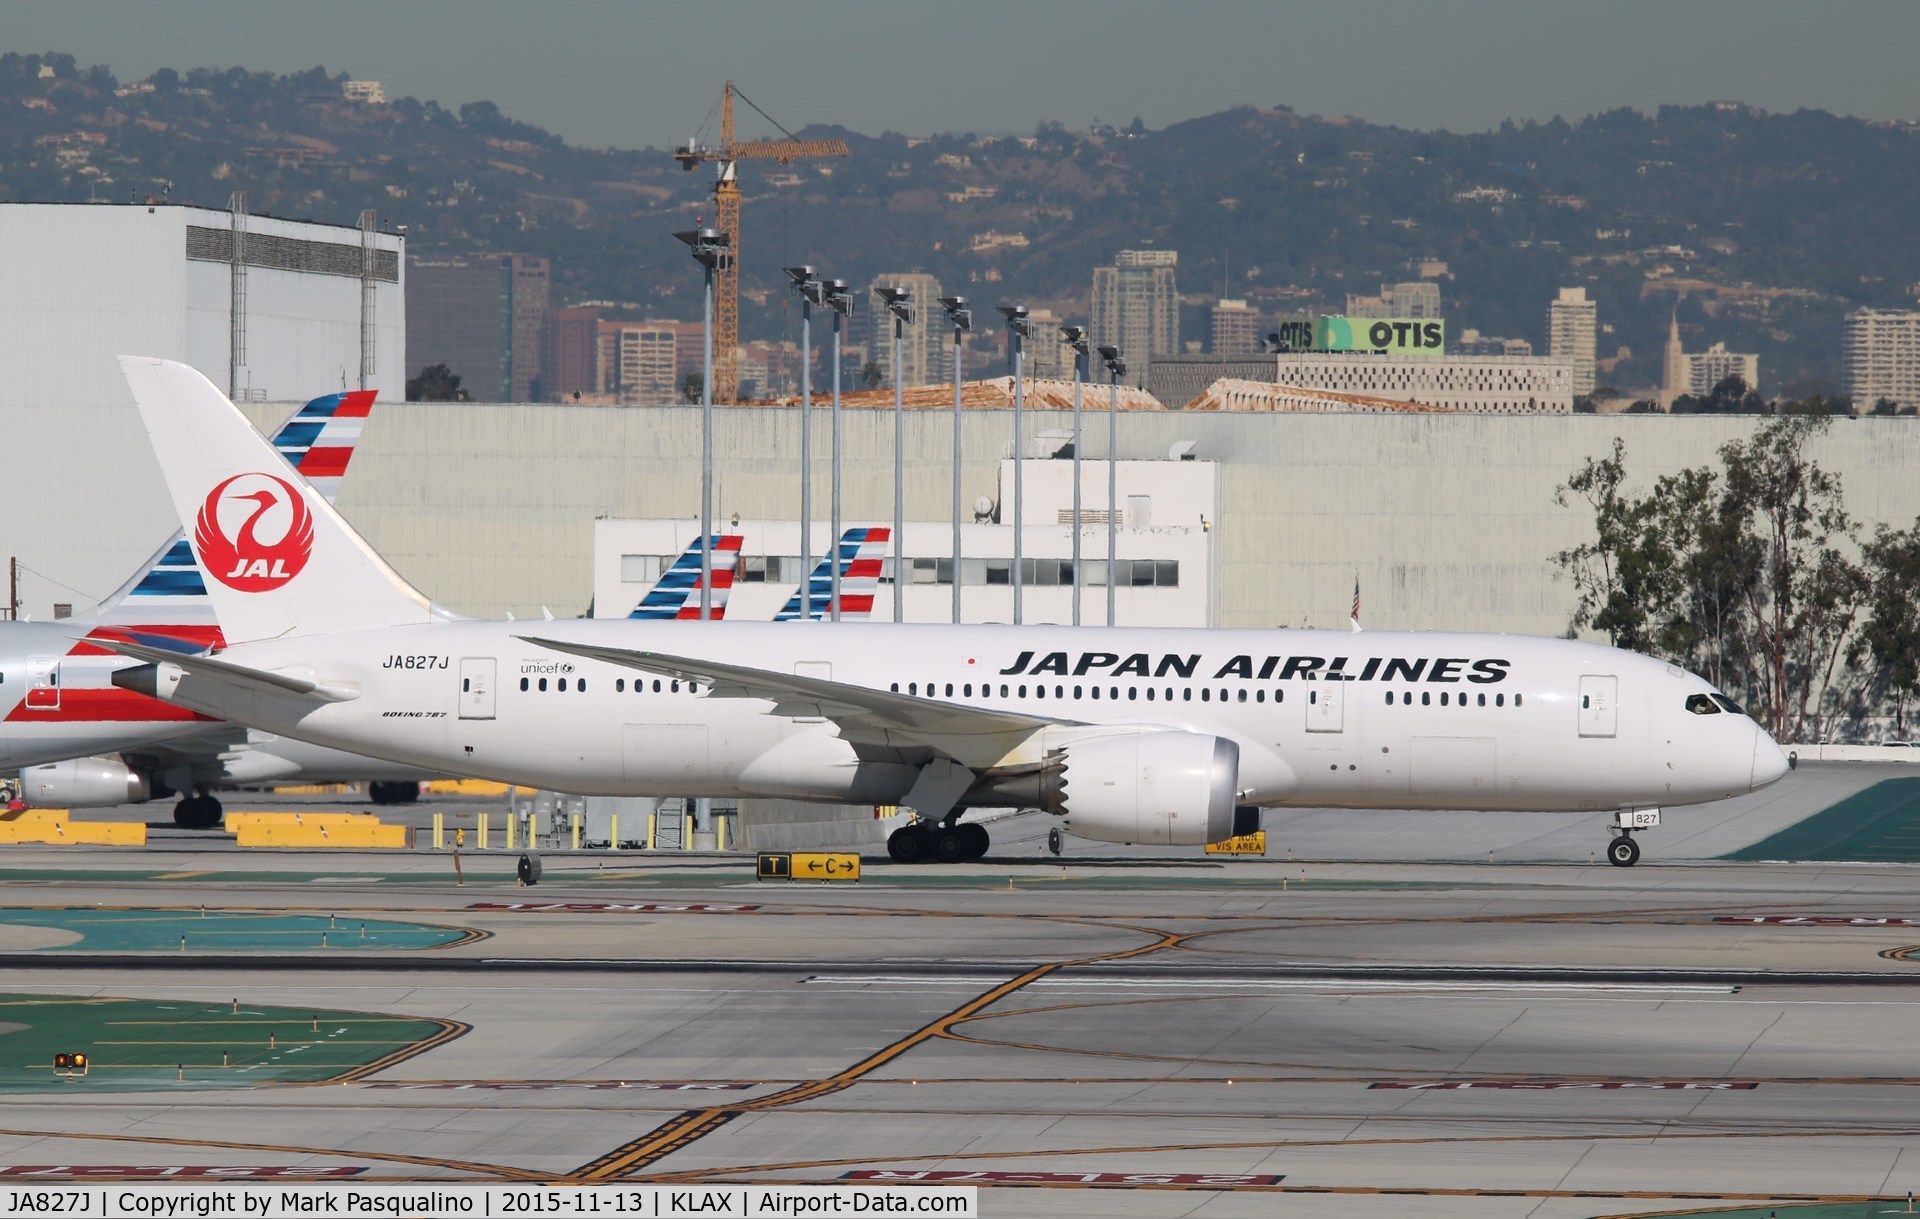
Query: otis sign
[(1382, 336), (254, 533)]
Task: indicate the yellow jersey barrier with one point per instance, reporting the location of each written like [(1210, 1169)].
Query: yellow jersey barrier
[(53, 827), (342, 830)]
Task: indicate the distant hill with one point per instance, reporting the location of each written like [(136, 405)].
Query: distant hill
[(1765, 227)]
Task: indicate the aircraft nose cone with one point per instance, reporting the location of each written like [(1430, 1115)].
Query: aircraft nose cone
[(1769, 760)]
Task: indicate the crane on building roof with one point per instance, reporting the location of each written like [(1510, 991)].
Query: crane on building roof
[(726, 201)]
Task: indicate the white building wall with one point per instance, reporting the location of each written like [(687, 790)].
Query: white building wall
[(1448, 520), (86, 283)]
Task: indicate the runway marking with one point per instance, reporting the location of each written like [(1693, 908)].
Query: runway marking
[(695, 1124), (1643, 1136), (1243, 984), (391, 1157)]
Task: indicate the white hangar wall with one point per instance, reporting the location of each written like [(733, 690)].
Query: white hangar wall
[(1448, 521)]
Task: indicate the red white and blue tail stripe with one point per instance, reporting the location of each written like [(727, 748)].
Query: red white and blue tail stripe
[(677, 593), (861, 554), (167, 595)]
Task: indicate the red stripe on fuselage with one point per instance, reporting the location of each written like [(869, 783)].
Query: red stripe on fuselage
[(115, 706)]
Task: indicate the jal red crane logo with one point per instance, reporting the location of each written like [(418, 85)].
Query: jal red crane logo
[(254, 537)]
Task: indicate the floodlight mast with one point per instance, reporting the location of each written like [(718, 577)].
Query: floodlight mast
[(838, 297), (1018, 330), (709, 249), (1076, 338), (807, 285), (961, 318), (899, 303), (1116, 368)]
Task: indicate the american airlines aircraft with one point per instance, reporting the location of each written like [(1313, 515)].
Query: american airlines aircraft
[(59, 712), (1157, 736)]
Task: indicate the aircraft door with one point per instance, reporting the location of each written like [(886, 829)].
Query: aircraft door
[(43, 683), (477, 675), (1325, 706), (1599, 705)]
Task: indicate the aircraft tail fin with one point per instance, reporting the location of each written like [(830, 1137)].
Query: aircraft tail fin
[(169, 592), (676, 594), (277, 559), (861, 554)]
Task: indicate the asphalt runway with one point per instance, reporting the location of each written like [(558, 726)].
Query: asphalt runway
[(1108, 1037)]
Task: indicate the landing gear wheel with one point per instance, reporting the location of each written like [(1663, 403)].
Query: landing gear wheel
[(197, 813), (976, 838), (950, 844), (908, 845), (1623, 852)]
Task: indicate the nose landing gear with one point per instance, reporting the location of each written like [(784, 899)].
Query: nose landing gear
[(1623, 851)]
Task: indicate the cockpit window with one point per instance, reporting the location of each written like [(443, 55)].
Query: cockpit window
[(1729, 704), (1701, 704)]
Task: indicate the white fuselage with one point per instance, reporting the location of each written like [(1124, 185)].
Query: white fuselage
[(1341, 719)]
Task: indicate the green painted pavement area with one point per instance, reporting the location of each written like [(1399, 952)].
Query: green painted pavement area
[(148, 1045), (103, 930), (1878, 825)]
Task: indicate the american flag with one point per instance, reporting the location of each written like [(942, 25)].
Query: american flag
[(1355, 612)]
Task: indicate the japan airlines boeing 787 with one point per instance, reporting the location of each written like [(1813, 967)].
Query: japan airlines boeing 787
[(1161, 736)]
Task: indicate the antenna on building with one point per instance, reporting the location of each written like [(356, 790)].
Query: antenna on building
[(237, 304)]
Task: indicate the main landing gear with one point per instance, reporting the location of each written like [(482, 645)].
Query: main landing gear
[(197, 812), (921, 842), (1623, 851)]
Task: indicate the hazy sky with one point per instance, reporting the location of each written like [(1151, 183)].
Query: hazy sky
[(629, 73)]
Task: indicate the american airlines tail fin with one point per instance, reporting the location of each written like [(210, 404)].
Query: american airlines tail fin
[(677, 593), (168, 593), (861, 554), (278, 560)]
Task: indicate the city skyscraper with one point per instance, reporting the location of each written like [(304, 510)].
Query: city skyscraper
[(573, 356), (1882, 352), (1572, 322), (485, 318), (1136, 307), (924, 357), (1236, 328)]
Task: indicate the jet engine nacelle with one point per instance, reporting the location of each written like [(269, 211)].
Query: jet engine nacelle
[(1160, 788), (83, 783)]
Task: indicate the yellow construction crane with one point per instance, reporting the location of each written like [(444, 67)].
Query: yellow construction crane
[(726, 203)]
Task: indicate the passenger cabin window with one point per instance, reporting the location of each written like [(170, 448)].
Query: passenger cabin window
[(1699, 704)]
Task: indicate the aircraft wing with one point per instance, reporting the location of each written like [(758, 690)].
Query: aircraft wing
[(215, 669), (863, 715)]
